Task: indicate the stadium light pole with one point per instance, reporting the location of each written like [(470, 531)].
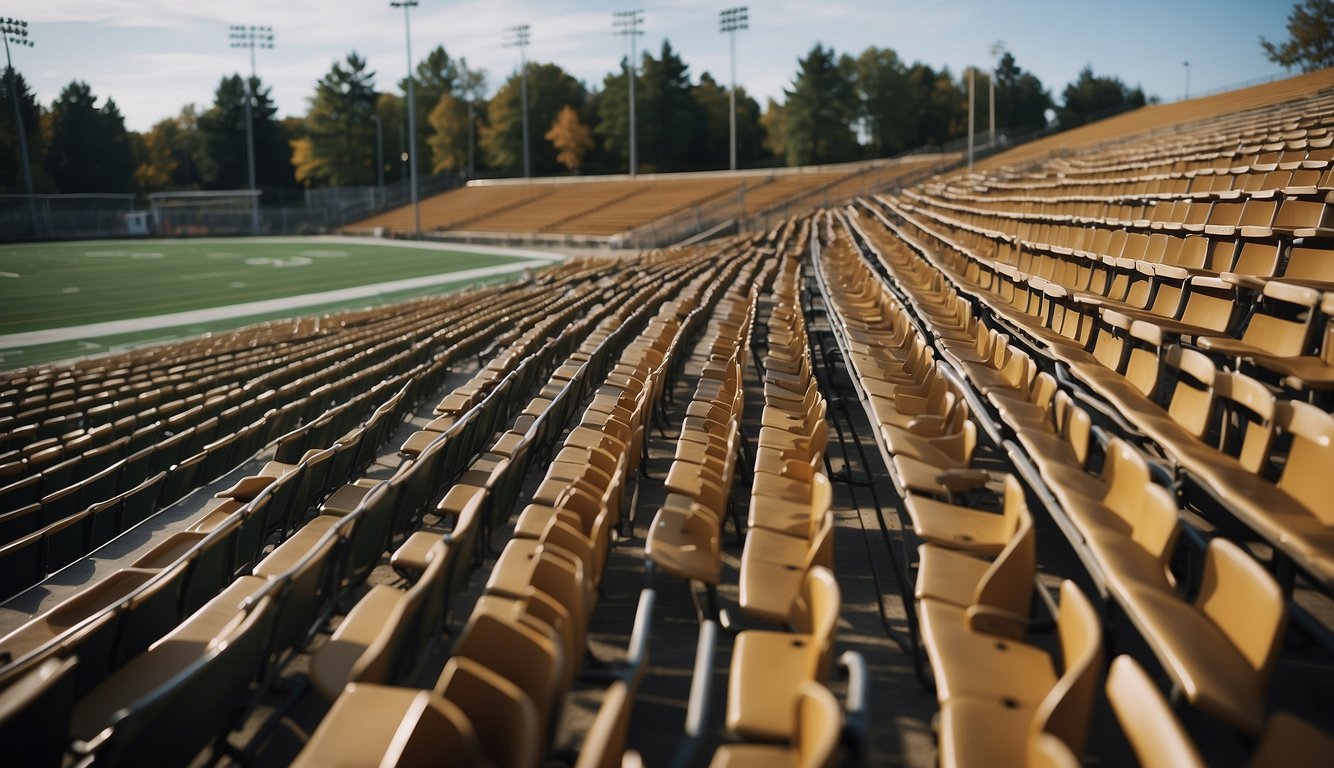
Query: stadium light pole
[(626, 23), (379, 153), (1186, 64), (407, 5), (997, 48), (518, 38), (971, 70), (16, 32), (251, 37), (729, 21)]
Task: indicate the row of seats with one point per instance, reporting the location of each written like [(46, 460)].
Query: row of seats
[(546, 577), (790, 523), (1219, 649), (1238, 444), (684, 538)]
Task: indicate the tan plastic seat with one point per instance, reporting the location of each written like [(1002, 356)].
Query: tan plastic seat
[(1219, 650), (380, 725), (967, 529), (815, 737), (768, 668), (1159, 741), (996, 719), (774, 566)]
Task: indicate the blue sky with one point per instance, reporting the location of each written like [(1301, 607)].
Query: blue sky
[(154, 56)]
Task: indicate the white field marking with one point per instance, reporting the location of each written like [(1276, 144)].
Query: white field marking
[(232, 311), (237, 284), (221, 255), (71, 289), (9, 274), (147, 255), (105, 254), (204, 276), (279, 263), (325, 254), (334, 241)]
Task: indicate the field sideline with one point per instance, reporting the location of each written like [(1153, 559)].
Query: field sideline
[(104, 294)]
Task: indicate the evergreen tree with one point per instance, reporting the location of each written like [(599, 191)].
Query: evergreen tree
[(88, 148), (709, 146), (339, 147), (11, 165), (668, 112), (223, 132), (1021, 101), (820, 109)]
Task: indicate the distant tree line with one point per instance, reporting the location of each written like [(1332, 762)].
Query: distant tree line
[(837, 108)]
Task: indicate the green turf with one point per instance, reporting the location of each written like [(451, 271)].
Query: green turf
[(64, 350), (66, 284)]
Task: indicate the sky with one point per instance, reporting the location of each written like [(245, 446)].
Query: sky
[(155, 56)]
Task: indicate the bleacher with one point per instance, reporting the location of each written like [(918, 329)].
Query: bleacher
[(1049, 436), (606, 207)]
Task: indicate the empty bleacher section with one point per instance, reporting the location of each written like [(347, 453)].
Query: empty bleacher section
[(601, 209), (1050, 437)]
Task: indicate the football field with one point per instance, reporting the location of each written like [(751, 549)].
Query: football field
[(59, 300)]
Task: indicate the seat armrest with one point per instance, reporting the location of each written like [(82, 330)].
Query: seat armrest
[(961, 480), (990, 620)]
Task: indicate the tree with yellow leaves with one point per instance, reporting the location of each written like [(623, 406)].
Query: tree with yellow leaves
[(571, 138)]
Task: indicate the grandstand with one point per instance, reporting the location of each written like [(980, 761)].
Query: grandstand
[(1023, 465), (640, 210)]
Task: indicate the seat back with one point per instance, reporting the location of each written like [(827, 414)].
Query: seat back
[(1191, 402), (1310, 456), (815, 612), (174, 722), (819, 726), (35, 713), (505, 719), (527, 656), (1147, 719), (1008, 581), (1247, 425), (1067, 708), (431, 729), (1244, 601)]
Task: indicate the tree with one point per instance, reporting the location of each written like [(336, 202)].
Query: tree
[(1310, 43), (339, 147), (613, 118), (820, 109), (88, 148), (439, 75), (549, 89), (449, 135), (668, 110), (1091, 97), (11, 166), (709, 145), (222, 129), (887, 102), (1021, 101), (571, 138), (774, 122)]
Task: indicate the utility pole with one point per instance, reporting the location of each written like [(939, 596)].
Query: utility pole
[(626, 24), (379, 154), (518, 38), (251, 37), (729, 21), (407, 5), (997, 49), (971, 71), (16, 32)]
